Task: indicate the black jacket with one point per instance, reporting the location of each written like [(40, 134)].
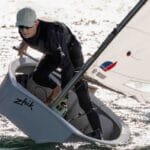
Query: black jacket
[(56, 39)]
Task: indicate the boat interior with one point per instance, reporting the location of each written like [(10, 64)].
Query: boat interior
[(110, 123)]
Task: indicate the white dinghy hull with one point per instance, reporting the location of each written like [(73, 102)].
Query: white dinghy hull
[(43, 124)]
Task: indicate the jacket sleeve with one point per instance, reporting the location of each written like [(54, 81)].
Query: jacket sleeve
[(75, 52)]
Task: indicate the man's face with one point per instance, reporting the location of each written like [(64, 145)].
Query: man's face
[(28, 32)]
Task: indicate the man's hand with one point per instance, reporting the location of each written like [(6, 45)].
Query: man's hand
[(51, 99), (22, 48)]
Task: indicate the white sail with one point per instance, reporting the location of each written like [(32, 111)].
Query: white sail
[(124, 64)]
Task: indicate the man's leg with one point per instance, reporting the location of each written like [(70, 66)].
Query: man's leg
[(41, 77), (41, 73), (84, 99), (86, 105)]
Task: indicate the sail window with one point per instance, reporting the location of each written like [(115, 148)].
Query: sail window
[(139, 86)]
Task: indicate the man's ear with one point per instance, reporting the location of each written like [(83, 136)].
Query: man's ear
[(37, 22)]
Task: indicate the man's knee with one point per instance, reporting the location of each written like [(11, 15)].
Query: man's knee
[(40, 78), (81, 85), (37, 77)]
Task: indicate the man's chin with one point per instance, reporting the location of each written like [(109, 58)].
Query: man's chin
[(26, 36)]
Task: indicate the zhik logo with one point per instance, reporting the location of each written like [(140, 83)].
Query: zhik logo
[(24, 102)]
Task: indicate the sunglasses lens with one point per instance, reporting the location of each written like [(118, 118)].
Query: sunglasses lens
[(24, 27)]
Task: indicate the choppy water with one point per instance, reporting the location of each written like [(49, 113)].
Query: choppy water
[(19, 143), (22, 143)]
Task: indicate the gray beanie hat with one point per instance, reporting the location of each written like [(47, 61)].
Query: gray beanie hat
[(26, 17)]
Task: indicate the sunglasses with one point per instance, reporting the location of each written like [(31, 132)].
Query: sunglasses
[(24, 27)]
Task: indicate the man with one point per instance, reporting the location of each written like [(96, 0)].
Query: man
[(61, 49)]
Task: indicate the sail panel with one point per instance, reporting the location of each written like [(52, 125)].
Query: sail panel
[(124, 64)]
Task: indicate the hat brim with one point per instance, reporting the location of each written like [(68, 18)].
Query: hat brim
[(25, 24)]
